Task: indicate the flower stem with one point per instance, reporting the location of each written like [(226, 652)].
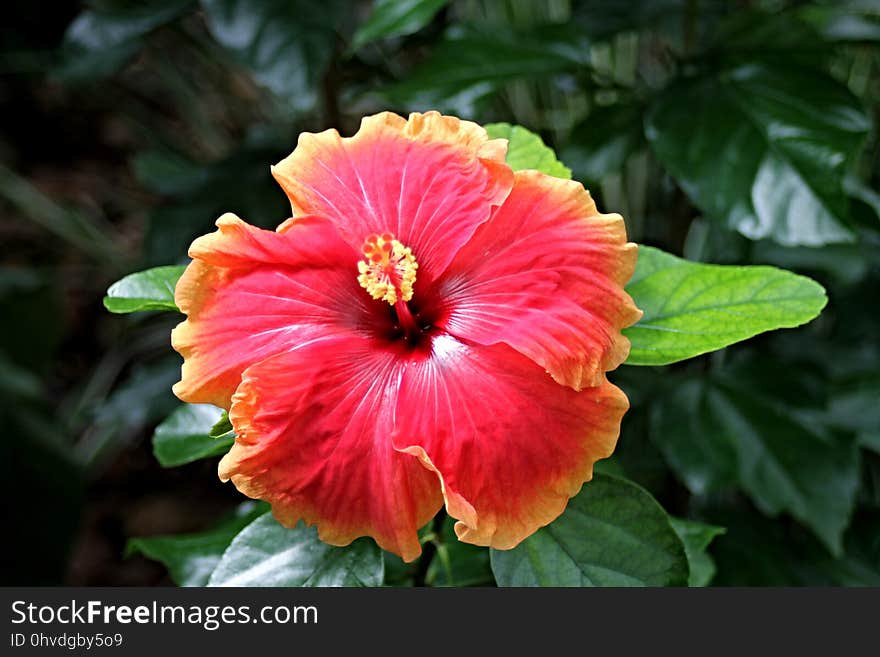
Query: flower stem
[(430, 549)]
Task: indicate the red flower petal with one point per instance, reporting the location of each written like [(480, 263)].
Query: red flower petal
[(511, 445), (313, 438), (327, 432), (429, 181), (546, 276), (250, 293), (335, 393)]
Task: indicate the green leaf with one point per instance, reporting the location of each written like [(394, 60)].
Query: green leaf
[(731, 429), (457, 563), (604, 18), (612, 534), (844, 21), (526, 150), (847, 263), (222, 427), (696, 537), (692, 308), (18, 382), (771, 36), (465, 68), (287, 44), (756, 551), (267, 554), (166, 172), (202, 193), (77, 228), (391, 18), (703, 454), (99, 42), (185, 436), (764, 149), (870, 440), (854, 402), (151, 289), (865, 203), (191, 558), (143, 399), (600, 145), (853, 407)]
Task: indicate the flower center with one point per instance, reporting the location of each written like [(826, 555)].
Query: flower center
[(388, 273), (388, 270)]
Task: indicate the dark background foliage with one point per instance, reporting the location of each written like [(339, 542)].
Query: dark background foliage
[(727, 131)]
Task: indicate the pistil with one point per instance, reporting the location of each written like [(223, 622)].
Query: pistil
[(408, 323)]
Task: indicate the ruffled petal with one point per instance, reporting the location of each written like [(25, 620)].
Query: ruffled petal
[(429, 181), (313, 430), (327, 432), (510, 445), (251, 293), (545, 275)]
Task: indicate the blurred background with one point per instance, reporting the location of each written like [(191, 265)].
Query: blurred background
[(725, 131)]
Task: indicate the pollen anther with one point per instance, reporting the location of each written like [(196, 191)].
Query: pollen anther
[(388, 271)]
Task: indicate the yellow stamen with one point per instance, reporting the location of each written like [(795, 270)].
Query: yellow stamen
[(388, 270)]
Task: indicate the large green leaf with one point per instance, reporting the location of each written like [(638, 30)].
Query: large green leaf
[(600, 145), (191, 558), (847, 263), (143, 399), (692, 308), (612, 534), (854, 407), (151, 289), (763, 148), (526, 150), (844, 21), (731, 429), (604, 18), (756, 551), (391, 18), (100, 41), (468, 66), (267, 554), (287, 44), (169, 173), (185, 435), (771, 36), (696, 537), (240, 182)]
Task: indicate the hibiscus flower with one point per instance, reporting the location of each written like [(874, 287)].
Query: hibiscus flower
[(428, 328)]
